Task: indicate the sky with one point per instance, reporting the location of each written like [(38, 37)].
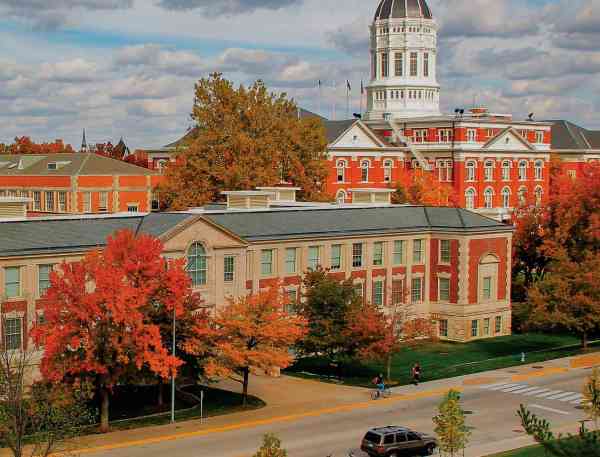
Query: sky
[(127, 68)]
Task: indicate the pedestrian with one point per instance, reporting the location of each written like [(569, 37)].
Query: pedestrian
[(416, 374)]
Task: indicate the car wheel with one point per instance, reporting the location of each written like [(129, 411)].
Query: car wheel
[(393, 454), (430, 449)]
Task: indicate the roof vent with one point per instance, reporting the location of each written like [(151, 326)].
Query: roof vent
[(375, 196), (13, 207), (249, 199), (281, 193)]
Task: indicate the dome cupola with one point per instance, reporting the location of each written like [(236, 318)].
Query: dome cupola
[(402, 9)]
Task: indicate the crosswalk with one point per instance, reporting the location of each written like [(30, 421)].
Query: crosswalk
[(526, 390)]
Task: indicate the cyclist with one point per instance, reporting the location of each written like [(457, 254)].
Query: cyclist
[(416, 373), (380, 383)]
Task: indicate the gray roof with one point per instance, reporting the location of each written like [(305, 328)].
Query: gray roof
[(34, 237), (399, 9), (302, 223), (333, 129), (567, 135), (69, 164)]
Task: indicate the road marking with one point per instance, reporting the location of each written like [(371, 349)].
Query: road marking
[(513, 389), (262, 422), (552, 410), (498, 384), (524, 390), (572, 397), (503, 386), (537, 391), (561, 397), (548, 394)]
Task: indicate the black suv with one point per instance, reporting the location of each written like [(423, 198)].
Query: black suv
[(392, 441)]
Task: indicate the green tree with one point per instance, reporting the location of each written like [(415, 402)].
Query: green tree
[(450, 425), (326, 308), (585, 443), (243, 138), (271, 447), (591, 396)]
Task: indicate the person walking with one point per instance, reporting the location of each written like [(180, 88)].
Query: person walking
[(416, 374)]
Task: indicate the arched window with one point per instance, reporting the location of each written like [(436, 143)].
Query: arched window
[(506, 197), (471, 168), (488, 196), (364, 166), (506, 166), (522, 196), (197, 264), (539, 194), (387, 170), (341, 170), (539, 170), (489, 170), (523, 170), (340, 197), (470, 198)]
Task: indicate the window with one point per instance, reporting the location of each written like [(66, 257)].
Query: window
[(506, 197), (539, 194), (378, 253), (418, 251), (572, 174), (336, 257), (470, 198), (132, 208), (486, 326), (426, 65), (445, 135), (399, 64), (44, 279), (444, 327), (471, 135), (357, 255), (340, 197), (37, 200), (341, 170), (539, 136), (291, 296), (498, 324), (62, 202), (471, 168), (314, 259), (474, 328), (444, 289), (523, 170), (445, 170), (399, 252), (49, 201), (228, 268), (290, 260), (522, 196), (397, 291), (266, 262), (13, 333), (12, 282), (487, 288), (155, 202), (489, 133), (103, 202), (384, 65), (413, 64), (378, 293), (364, 170), (506, 166), (52, 166), (445, 251), (416, 290), (539, 170), (87, 202), (387, 170), (489, 170), (488, 198), (420, 135), (197, 264)]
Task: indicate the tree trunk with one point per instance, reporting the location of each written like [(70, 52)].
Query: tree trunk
[(389, 367), (584, 341), (104, 408), (245, 389), (160, 400)]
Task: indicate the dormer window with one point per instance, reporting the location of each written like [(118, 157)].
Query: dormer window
[(52, 166)]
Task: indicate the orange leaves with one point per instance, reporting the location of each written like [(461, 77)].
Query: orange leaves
[(420, 188), (24, 145)]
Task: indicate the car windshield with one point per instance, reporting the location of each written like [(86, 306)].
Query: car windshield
[(373, 438)]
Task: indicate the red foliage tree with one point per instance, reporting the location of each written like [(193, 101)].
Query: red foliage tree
[(254, 332), (24, 145), (423, 188), (100, 317)]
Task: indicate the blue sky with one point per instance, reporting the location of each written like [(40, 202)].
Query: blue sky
[(127, 67)]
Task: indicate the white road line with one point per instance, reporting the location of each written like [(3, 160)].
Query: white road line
[(559, 396), (525, 390), (548, 394), (536, 391), (552, 410), (513, 389), (571, 397), (503, 386), (489, 386)]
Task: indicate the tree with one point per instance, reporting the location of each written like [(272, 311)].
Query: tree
[(591, 396), (450, 425), (326, 307), (253, 332), (423, 188), (24, 145), (244, 138), (569, 296), (99, 315), (584, 443), (40, 421), (271, 447)]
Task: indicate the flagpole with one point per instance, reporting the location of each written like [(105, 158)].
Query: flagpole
[(334, 97), (319, 97), (362, 91), (347, 99)]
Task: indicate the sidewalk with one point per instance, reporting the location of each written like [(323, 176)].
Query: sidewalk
[(290, 398)]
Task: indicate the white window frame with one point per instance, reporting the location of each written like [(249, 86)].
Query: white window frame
[(539, 195), (506, 166), (443, 327), (416, 293), (12, 331), (387, 170), (539, 136), (364, 169), (539, 170), (103, 198), (488, 198), (291, 262), (474, 328), (229, 268), (341, 166), (37, 200), (399, 252), (440, 289), (314, 257), (87, 202), (336, 257), (266, 262), (471, 135), (44, 282), (379, 293), (340, 197), (418, 254), (470, 198), (471, 167), (357, 255), (506, 194), (442, 251), (197, 264), (18, 283), (523, 165), (488, 170), (378, 253)]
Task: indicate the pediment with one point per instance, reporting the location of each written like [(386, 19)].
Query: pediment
[(508, 140), (357, 136)]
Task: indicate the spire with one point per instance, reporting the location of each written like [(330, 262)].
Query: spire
[(83, 143)]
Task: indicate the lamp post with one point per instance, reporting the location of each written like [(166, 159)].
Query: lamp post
[(173, 375)]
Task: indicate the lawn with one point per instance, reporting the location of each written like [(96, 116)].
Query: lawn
[(532, 451), (444, 360)]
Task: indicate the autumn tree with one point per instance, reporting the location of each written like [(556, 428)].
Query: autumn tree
[(99, 324), (569, 296), (326, 306), (24, 145), (252, 332), (243, 138), (417, 187), (450, 425), (271, 447), (591, 396)]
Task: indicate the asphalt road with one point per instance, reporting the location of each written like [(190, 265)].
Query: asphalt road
[(492, 413)]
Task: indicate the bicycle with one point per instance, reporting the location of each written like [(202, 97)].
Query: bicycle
[(376, 394)]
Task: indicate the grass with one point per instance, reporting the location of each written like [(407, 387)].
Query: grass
[(531, 451), (445, 360)]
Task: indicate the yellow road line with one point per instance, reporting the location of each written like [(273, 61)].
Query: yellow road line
[(539, 373), (258, 423)]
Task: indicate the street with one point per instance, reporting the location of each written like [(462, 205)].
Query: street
[(491, 402)]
